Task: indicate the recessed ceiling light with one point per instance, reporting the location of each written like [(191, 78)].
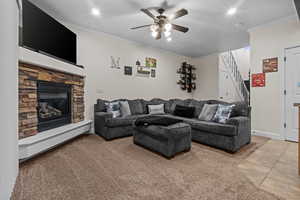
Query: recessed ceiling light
[(231, 11), (95, 11)]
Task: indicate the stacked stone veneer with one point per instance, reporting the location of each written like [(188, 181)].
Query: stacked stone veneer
[(28, 77)]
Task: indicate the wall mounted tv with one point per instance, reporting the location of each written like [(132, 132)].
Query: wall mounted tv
[(42, 33)]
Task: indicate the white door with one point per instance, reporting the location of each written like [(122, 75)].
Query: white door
[(292, 86)]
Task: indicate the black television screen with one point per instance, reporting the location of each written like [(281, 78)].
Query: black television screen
[(43, 33)]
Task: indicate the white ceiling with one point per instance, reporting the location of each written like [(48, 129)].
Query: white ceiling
[(210, 29)]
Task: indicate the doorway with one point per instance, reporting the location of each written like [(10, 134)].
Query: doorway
[(292, 92)]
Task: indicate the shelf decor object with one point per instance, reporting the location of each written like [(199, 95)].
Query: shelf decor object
[(187, 77)]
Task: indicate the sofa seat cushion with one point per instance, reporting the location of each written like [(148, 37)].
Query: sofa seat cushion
[(216, 128), (211, 127), (122, 121)]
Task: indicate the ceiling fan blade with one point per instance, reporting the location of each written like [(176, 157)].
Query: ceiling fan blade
[(147, 12), (180, 28), (179, 13), (141, 26), (158, 35)]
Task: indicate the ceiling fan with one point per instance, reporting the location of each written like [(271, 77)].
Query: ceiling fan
[(163, 24)]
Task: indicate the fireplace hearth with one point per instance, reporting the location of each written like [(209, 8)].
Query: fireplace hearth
[(54, 105)]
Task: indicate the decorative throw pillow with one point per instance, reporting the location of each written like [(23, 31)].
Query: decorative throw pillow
[(114, 108), (125, 109), (184, 111), (156, 109), (208, 112), (223, 113)]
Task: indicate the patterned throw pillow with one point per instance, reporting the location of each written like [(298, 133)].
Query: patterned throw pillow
[(114, 108), (223, 113)]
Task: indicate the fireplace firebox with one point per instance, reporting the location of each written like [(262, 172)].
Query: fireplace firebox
[(54, 105)]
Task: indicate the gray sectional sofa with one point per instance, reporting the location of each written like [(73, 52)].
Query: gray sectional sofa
[(229, 137)]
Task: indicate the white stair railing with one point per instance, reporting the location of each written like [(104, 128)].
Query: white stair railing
[(231, 65)]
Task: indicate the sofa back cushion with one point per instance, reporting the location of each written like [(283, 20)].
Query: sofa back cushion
[(175, 102), (136, 106), (198, 106), (100, 106), (240, 109)]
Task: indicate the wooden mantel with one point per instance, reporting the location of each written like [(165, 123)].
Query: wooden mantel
[(298, 105)]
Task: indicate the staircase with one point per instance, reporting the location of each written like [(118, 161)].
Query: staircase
[(230, 64)]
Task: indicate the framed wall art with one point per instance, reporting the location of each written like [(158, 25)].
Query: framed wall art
[(270, 65), (153, 73), (151, 62), (128, 70), (258, 80)]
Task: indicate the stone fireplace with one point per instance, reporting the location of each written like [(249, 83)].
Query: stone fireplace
[(48, 99), (54, 105)]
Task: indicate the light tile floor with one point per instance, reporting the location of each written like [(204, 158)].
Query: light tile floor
[(274, 168)]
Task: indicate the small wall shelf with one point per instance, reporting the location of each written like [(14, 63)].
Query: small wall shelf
[(187, 77)]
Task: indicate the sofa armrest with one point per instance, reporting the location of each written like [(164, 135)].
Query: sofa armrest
[(242, 123), (237, 121), (104, 114), (102, 117), (100, 122)]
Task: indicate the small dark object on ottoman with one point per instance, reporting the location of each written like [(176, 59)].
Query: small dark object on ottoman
[(167, 140)]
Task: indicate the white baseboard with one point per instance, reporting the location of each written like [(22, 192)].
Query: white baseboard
[(271, 135), (46, 140)]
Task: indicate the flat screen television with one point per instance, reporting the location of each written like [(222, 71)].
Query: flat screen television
[(42, 33)]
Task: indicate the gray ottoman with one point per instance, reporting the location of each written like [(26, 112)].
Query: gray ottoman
[(167, 140)]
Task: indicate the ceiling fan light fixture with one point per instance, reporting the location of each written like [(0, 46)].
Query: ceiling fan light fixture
[(154, 34), (167, 34), (154, 27), (168, 27), (162, 25), (172, 16)]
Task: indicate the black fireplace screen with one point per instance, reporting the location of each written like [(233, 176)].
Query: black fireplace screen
[(54, 105)]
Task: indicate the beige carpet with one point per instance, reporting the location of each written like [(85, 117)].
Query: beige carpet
[(88, 168)]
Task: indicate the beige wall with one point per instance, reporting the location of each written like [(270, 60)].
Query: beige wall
[(267, 103), (94, 51), (207, 77)]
